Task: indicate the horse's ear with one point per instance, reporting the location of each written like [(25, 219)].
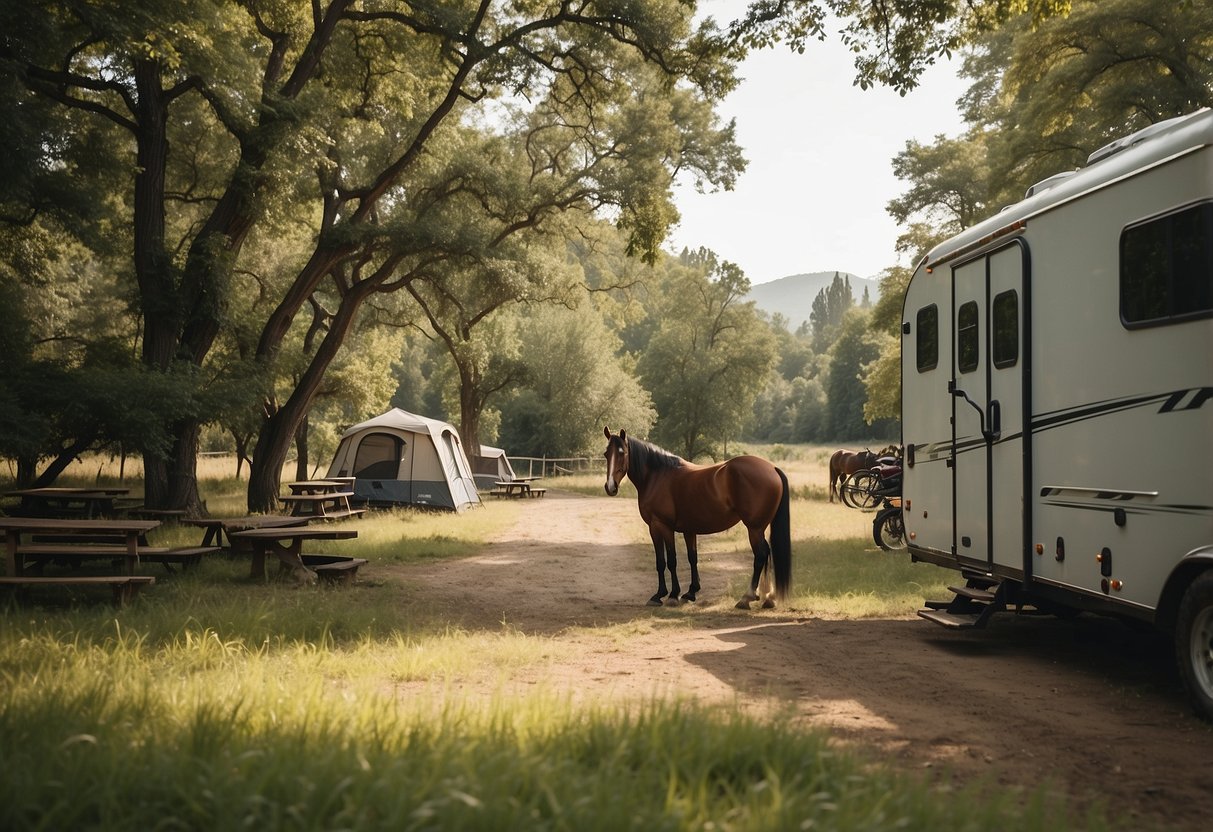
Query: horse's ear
[(623, 434), (606, 430)]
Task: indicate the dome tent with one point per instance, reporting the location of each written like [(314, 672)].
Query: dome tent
[(492, 466), (400, 458)]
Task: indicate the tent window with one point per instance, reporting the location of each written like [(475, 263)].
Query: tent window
[(378, 457)]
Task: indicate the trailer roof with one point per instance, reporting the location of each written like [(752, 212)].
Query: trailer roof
[(1116, 160)]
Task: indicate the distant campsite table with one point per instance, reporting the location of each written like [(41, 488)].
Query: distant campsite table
[(321, 499), (286, 543), (85, 503), (219, 527), (518, 487)]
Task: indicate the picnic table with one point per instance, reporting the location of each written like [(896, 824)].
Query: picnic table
[(518, 487), (76, 539), (68, 502), (43, 539), (321, 499), (286, 544), (216, 528)]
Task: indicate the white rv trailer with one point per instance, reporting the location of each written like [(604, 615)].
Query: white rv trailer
[(1057, 397)]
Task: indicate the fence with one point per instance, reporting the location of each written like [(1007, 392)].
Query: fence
[(545, 466)]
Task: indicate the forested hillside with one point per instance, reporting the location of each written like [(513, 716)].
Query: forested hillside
[(793, 296)]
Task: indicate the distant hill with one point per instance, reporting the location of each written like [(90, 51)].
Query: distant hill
[(792, 296)]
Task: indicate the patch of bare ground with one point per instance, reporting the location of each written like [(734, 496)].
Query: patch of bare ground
[(1088, 707)]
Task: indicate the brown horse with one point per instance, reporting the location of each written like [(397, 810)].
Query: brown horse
[(844, 463), (676, 496)]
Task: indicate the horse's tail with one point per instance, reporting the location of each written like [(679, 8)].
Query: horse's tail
[(781, 541)]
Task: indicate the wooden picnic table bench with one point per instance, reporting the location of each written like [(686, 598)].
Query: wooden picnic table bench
[(56, 502), (77, 540), (125, 587), (329, 505), (217, 528), (16, 550), (76, 546), (517, 487), (286, 543), (336, 569)]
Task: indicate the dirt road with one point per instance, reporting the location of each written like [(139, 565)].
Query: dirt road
[(1088, 707)]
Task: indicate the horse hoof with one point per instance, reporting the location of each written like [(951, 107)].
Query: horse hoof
[(768, 604), (672, 601), (653, 602), (743, 605), (689, 597)]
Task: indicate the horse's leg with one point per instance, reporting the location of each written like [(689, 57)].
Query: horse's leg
[(693, 560), (766, 589), (661, 540), (762, 553), (672, 563)]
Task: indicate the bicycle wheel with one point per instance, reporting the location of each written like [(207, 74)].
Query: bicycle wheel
[(856, 490), (888, 529)]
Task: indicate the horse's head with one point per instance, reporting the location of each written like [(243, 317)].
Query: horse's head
[(616, 459)]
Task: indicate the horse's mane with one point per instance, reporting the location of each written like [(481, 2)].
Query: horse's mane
[(645, 456)]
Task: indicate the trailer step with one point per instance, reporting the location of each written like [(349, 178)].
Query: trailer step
[(953, 620), (981, 580), (973, 593), (971, 606)]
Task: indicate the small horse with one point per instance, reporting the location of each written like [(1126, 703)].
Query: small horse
[(676, 496), (844, 463)]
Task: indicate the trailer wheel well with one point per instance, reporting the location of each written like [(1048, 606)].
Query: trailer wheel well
[(1184, 574)]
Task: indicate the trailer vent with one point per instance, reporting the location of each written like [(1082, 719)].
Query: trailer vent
[(1125, 142), (1044, 184)]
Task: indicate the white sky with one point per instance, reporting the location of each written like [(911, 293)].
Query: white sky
[(820, 157)]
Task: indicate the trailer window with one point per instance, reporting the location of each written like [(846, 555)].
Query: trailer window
[(927, 338), (966, 337), (1166, 268), (1005, 329)]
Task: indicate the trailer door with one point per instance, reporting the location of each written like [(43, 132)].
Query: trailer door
[(988, 360)]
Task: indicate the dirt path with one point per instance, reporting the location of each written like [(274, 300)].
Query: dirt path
[(1089, 707)]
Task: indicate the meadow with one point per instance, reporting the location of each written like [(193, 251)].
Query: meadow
[(218, 703)]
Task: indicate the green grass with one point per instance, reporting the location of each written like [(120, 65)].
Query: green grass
[(219, 703), (203, 733)]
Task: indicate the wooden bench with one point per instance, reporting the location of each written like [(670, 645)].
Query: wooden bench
[(335, 569), (537, 492), (167, 515), (183, 556), (73, 546), (125, 587)]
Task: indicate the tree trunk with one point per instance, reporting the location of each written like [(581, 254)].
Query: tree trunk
[(301, 453), (469, 411), (183, 470), (242, 442), (59, 464), (27, 468), (161, 315), (279, 429)]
